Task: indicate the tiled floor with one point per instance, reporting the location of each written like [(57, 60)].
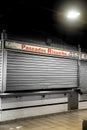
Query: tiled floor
[(60, 121)]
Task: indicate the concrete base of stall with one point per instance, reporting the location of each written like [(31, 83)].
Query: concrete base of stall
[(30, 112), (12, 108), (23, 107), (83, 101)]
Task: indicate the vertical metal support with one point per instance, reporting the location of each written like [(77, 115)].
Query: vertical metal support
[(79, 49), (3, 38), (4, 71), (78, 74), (0, 103), (4, 61), (2, 47), (73, 100), (73, 96)]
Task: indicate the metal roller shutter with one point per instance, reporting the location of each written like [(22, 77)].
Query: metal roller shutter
[(83, 76), (29, 72), (0, 70)]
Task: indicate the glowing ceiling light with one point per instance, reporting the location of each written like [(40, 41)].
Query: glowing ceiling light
[(73, 15)]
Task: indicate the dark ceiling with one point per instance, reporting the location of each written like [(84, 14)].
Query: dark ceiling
[(44, 17)]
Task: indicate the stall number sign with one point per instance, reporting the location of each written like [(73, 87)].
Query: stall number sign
[(40, 49)]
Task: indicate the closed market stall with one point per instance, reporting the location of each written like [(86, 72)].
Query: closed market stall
[(36, 78), (38, 68), (27, 72), (83, 76)]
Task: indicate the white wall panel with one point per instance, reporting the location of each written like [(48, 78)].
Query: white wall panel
[(29, 112), (23, 102), (83, 105)]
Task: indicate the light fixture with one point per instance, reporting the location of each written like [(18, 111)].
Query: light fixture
[(73, 15)]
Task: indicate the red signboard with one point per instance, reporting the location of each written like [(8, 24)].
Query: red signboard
[(40, 49), (43, 50)]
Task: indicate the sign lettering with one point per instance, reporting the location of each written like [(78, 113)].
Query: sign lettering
[(38, 49)]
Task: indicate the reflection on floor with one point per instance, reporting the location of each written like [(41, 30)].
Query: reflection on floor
[(60, 121)]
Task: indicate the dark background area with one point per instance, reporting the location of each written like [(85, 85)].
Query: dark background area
[(44, 17)]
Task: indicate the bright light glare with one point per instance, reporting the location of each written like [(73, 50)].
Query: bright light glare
[(73, 15)]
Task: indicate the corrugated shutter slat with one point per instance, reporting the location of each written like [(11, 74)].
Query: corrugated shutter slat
[(26, 72), (83, 76)]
